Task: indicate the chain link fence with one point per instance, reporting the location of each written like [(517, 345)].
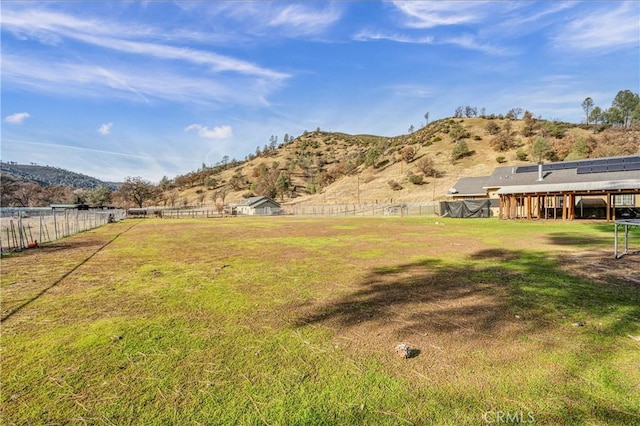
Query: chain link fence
[(22, 228)]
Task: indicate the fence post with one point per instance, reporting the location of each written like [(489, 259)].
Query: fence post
[(20, 231), (55, 226), (66, 222), (40, 227), (13, 234)]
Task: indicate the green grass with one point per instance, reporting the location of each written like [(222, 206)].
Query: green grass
[(294, 321)]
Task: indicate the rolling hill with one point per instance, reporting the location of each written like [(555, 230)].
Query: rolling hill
[(49, 176), (337, 168)]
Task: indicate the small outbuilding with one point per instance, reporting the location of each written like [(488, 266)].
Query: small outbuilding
[(80, 206), (137, 212), (258, 206)]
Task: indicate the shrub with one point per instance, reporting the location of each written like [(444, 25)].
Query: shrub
[(460, 150), (394, 185), (458, 132), (416, 179), (521, 154), (408, 154), (426, 166), (492, 128), (314, 187), (502, 142), (371, 157), (500, 159), (580, 149), (210, 182), (554, 129)]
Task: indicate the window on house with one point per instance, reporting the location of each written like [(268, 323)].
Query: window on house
[(625, 200)]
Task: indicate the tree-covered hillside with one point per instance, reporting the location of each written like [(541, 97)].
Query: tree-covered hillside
[(51, 176), (325, 167)]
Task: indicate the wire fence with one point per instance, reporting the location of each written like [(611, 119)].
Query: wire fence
[(429, 208), (398, 209), (22, 228)]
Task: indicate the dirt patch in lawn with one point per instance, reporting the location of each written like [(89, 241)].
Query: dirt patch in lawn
[(601, 266)]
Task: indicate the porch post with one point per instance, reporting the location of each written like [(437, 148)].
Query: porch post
[(613, 207)]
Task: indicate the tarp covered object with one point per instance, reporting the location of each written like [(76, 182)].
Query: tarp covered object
[(465, 208)]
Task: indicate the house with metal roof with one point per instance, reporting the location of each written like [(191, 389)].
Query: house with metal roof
[(258, 206), (603, 188), (470, 188)]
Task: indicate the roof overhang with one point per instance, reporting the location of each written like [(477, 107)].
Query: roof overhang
[(468, 194), (631, 185)]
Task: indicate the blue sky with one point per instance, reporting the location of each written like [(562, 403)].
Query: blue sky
[(124, 88)]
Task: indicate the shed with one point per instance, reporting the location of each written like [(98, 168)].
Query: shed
[(255, 206), (137, 212)]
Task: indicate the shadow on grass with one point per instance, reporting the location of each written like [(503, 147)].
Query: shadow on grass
[(486, 290), (92, 249), (603, 237), (487, 294), (580, 240), (397, 291)]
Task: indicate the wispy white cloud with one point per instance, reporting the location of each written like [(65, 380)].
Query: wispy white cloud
[(17, 118), (367, 35), (51, 27), (100, 163), (304, 19), (105, 129), (466, 41), (471, 42), (600, 29), (429, 14), (16, 142), (129, 82), (487, 26), (48, 25), (530, 16), (171, 72), (456, 23), (218, 132), (279, 19)]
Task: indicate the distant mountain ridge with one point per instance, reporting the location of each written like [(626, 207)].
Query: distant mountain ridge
[(50, 176)]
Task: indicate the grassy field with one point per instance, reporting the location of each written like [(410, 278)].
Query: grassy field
[(295, 320)]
